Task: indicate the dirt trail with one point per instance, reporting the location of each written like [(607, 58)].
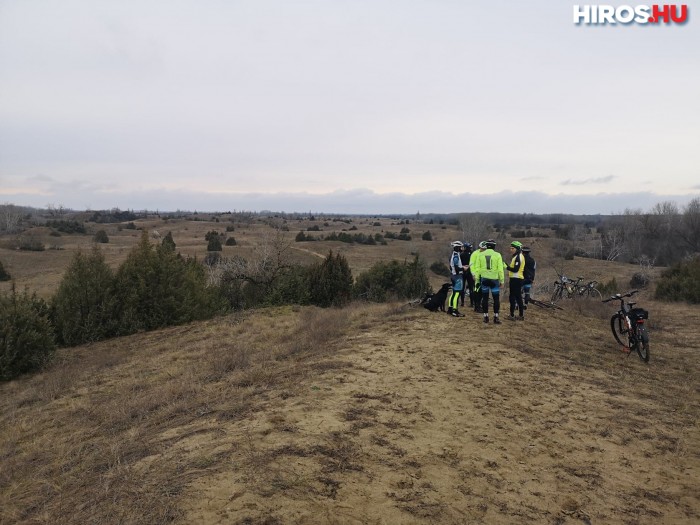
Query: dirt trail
[(442, 420)]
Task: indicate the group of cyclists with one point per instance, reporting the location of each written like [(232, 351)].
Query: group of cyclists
[(479, 273)]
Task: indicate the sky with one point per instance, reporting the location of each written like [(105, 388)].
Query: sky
[(339, 106)]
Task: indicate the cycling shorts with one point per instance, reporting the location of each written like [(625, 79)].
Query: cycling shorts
[(491, 285)]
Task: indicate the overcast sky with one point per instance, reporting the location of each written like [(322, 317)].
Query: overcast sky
[(365, 106)]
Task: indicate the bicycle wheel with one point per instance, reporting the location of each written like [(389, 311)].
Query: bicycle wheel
[(643, 343), (593, 293), (619, 328)]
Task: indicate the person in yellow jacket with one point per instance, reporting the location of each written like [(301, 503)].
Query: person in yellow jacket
[(516, 268), (476, 289), (489, 272)]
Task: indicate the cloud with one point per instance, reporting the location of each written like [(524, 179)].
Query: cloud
[(582, 182)]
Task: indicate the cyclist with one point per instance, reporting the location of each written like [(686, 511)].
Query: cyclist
[(489, 272), (528, 274), (476, 287), (456, 270), (516, 268), (468, 278)]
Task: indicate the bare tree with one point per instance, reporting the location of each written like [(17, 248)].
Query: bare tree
[(613, 240), (689, 229), (10, 218), (267, 262), (474, 227)]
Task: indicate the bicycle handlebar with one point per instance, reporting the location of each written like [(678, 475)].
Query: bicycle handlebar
[(620, 297)]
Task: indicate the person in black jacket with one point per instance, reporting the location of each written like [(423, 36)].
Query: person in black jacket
[(528, 274), (468, 288)]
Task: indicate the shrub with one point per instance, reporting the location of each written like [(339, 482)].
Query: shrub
[(440, 268), (214, 244), (130, 226), (292, 287), (392, 279), (301, 237), (31, 244), (101, 237), (26, 335), (427, 236), (681, 282), (230, 242), (639, 280), (83, 307), (65, 226), (330, 281), (168, 242), (4, 276), (155, 287), (609, 288)]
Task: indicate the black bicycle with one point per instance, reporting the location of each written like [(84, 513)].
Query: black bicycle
[(588, 290), (628, 326)]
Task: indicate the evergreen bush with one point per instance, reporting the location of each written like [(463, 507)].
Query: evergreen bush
[(292, 287), (680, 282), (101, 237), (214, 244), (26, 334), (83, 307), (155, 288), (330, 281), (393, 280)]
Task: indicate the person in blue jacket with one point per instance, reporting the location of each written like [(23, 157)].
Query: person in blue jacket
[(456, 271)]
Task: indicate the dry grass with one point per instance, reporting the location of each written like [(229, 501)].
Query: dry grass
[(98, 437)]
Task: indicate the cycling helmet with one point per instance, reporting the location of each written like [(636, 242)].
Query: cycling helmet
[(526, 249), (491, 243), (468, 245), (456, 244), (516, 244), (482, 245)]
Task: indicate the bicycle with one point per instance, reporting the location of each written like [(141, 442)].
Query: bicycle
[(542, 304), (628, 326), (562, 287), (589, 290)]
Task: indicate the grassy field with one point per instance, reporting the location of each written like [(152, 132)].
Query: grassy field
[(369, 414)]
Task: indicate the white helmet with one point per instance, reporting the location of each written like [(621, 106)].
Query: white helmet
[(456, 244)]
